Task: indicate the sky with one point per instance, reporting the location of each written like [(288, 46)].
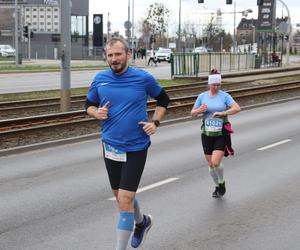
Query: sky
[(191, 12)]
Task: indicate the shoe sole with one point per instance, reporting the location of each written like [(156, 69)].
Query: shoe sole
[(146, 231)]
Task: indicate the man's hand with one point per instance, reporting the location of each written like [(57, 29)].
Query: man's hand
[(102, 112), (148, 127)]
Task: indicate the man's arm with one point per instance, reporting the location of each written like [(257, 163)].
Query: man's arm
[(93, 110), (161, 106), (160, 110)]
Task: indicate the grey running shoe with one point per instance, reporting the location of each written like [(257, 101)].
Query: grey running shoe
[(222, 188), (216, 194), (140, 231)]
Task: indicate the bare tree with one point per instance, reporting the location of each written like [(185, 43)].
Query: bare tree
[(157, 19)]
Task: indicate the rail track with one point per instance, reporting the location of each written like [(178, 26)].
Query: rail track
[(34, 129), (15, 109)]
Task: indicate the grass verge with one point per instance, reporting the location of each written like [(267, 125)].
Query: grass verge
[(74, 91)]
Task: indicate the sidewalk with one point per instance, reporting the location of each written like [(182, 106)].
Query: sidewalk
[(46, 62)]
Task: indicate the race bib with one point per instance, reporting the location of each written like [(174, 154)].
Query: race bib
[(114, 154), (213, 125)]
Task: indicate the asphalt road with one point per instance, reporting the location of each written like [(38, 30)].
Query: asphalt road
[(26, 82), (58, 198)]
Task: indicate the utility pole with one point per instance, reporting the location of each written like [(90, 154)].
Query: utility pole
[(108, 26), (29, 42), (289, 33), (234, 28), (132, 34), (16, 33), (179, 28), (65, 102), (128, 28)]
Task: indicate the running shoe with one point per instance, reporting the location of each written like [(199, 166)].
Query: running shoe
[(216, 194), (222, 188), (140, 231)]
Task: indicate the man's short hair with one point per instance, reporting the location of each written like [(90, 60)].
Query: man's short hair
[(114, 40)]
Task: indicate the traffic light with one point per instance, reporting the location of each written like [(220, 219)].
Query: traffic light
[(200, 1), (152, 39), (25, 31), (31, 34), (260, 2)]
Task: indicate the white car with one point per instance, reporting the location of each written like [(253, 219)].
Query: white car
[(163, 54), (200, 50), (6, 50)]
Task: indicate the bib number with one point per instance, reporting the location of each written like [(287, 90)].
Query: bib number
[(213, 125), (114, 154)]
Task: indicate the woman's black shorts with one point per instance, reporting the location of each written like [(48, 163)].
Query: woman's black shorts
[(211, 143), (126, 175)]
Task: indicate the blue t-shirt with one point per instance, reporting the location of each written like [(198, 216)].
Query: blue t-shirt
[(217, 103), (127, 95)]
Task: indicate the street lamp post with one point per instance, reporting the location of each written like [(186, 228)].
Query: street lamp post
[(234, 29), (289, 33), (16, 33), (108, 26), (132, 34), (179, 28)]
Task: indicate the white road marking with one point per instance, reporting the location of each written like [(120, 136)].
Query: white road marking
[(274, 144), (154, 185)]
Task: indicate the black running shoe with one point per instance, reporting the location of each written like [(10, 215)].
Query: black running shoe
[(141, 231), (222, 188), (216, 194)]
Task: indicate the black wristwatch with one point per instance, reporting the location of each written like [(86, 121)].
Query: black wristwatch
[(156, 122)]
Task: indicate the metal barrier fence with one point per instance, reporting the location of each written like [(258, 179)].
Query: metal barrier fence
[(193, 64), (50, 51)]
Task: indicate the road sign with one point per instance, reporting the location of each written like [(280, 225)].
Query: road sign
[(283, 27), (127, 25), (128, 33)]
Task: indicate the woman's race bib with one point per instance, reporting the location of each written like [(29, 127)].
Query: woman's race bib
[(114, 154), (213, 125)]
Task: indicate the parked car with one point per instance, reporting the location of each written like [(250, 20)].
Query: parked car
[(163, 54), (6, 50), (200, 50)]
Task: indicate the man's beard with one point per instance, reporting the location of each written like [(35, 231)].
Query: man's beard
[(121, 67)]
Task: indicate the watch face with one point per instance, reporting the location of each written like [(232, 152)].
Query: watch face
[(97, 19)]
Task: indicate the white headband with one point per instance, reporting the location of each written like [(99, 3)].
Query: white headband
[(216, 78)]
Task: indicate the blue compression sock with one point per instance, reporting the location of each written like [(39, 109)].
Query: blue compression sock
[(125, 228)]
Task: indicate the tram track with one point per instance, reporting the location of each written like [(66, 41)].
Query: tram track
[(33, 107), (41, 128)]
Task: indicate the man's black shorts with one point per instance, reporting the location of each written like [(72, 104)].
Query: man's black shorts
[(126, 175), (211, 143)]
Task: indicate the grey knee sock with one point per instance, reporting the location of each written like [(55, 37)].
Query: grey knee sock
[(214, 175), (123, 237), (220, 172), (138, 216)]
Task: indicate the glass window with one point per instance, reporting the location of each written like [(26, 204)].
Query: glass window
[(78, 25)]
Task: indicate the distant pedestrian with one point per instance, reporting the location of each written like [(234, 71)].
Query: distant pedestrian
[(143, 53), (215, 105), (152, 57), (118, 98)]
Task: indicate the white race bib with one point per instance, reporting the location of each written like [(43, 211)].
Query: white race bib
[(213, 124), (114, 154)]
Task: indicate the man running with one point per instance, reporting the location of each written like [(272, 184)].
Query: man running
[(118, 97)]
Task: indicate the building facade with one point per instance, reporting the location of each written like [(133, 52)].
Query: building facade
[(42, 17)]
